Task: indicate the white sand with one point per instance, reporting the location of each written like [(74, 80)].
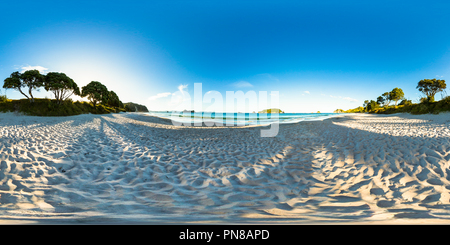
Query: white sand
[(136, 168)]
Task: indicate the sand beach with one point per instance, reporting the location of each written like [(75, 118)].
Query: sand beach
[(131, 167)]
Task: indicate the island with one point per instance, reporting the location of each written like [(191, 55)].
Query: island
[(130, 106), (272, 110)]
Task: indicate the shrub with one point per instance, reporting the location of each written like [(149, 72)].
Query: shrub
[(405, 102), (50, 107), (446, 100)]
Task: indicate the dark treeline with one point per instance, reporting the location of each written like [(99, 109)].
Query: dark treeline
[(101, 99)]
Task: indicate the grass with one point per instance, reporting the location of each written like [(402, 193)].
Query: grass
[(50, 107)]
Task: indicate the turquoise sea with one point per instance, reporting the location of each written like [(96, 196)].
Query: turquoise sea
[(240, 119)]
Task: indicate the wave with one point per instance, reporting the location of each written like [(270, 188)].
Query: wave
[(240, 119)]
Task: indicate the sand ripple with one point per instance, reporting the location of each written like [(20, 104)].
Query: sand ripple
[(354, 168)]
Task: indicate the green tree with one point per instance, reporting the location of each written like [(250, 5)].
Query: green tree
[(366, 103), (396, 94), (372, 105), (387, 98), (113, 99), (61, 85), (14, 81), (405, 102), (381, 100), (430, 87), (95, 92), (31, 79)]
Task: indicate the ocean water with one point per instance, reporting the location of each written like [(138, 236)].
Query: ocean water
[(240, 119)]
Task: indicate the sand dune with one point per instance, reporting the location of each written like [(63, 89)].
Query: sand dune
[(134, 167)]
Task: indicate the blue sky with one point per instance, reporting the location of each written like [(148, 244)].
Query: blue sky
[(319, 55)]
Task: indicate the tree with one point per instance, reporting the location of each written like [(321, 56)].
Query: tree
[(372, 105), (31, 79), (96, 92), (396, 94), (366, 103), (430, 87), (61, 85), (381, 100), (14, 81), (113, 99), (387, 98), (405, 102)]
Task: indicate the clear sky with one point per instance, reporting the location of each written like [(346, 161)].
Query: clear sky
[(319, 55)]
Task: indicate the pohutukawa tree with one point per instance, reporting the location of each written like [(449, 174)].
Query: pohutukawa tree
[(396, 94), (386, 98), (95, 92), (31, 79), (430, 87), (61, 85), (113, 99), (381, 100)]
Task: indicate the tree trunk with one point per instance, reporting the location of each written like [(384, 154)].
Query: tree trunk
[(24, 94), (57, 96), (32, 98)]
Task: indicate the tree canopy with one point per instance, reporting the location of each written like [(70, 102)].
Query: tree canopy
[(14, 81), (381, 100), (61, 85), (430, 87), (113, 99), (95, 92), (371, 105), (396, 94), (387, 98), (31, 79)]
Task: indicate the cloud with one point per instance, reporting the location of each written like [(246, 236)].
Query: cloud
[(39, 68), (182, 87), (180, 96), (242, 84), (160, 95), (306, 92), (350, 99)]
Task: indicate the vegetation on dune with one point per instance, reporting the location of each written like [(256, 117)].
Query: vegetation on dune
[(427, 104), (62, 86), (52, 107)]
